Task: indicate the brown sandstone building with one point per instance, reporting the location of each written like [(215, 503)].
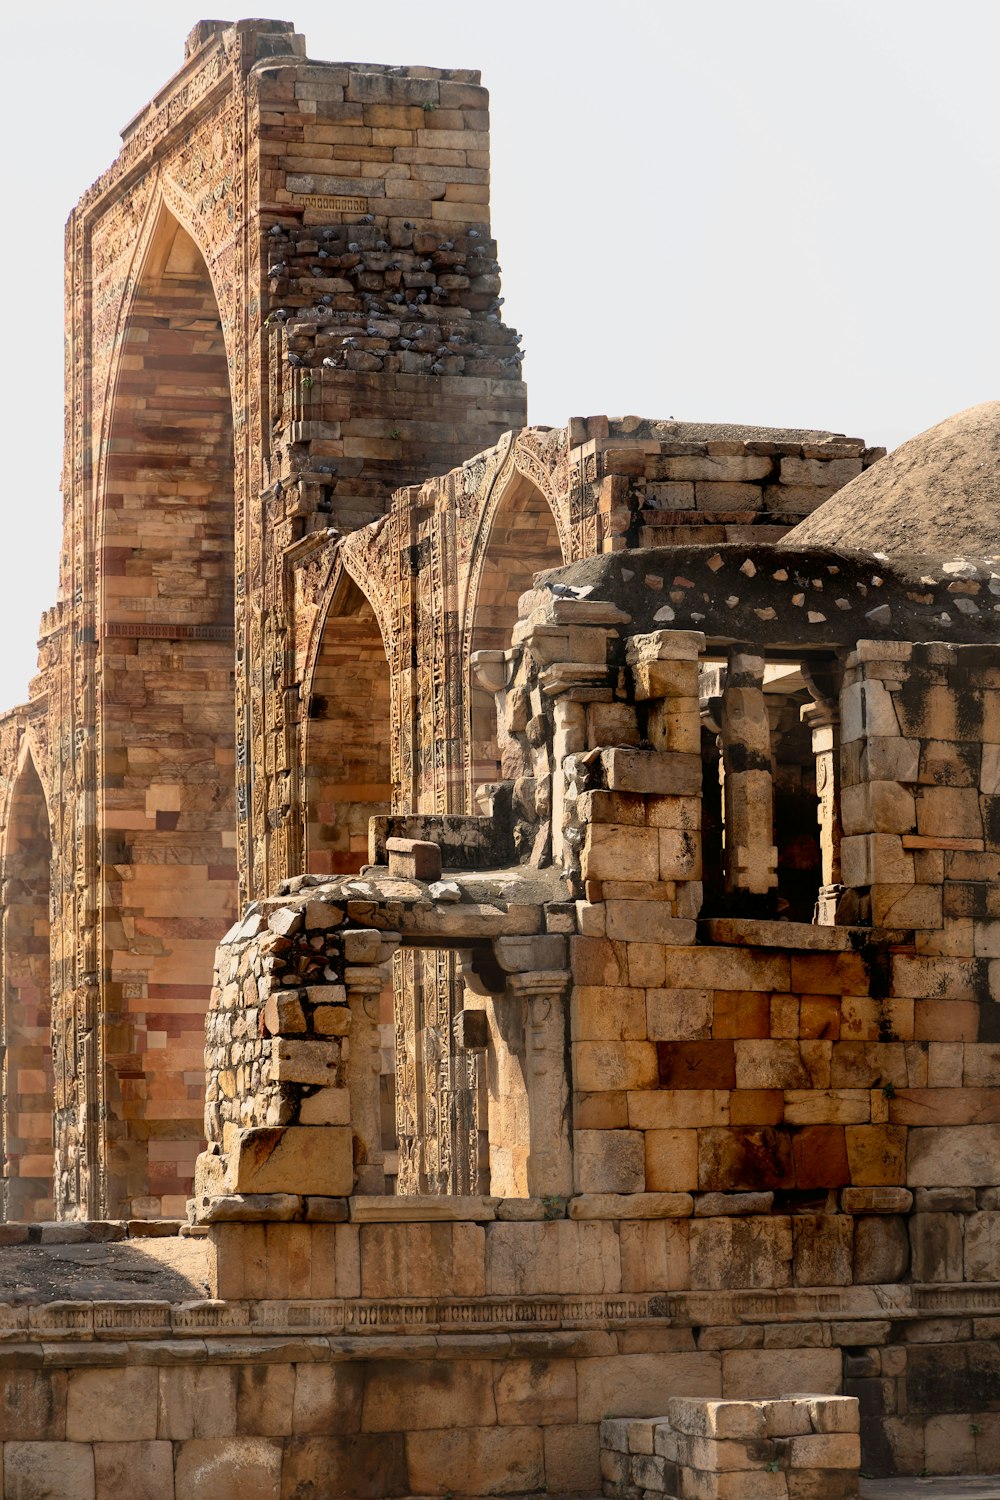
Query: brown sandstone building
[(533, 894)]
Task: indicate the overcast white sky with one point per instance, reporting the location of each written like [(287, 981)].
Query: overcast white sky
[(782, 211)]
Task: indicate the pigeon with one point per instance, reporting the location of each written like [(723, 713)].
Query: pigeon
[(437, 368), (354, 248), (275, 229), (447, 245), (398, 297), (316, 271), (277, 270), (425, 265), (406, 343), (368, 219), (349, 343), (296, 360), (492, 318), (381, 244), (407, 224), (421, 297), (331, 364), (372, 331)]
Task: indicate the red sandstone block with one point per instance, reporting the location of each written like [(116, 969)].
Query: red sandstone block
[(820, 1156), (741, 1013), (697, 1065)]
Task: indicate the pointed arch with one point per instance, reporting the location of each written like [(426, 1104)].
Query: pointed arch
[(518, 537), (28, 1090), (347, 739), (165, 611)]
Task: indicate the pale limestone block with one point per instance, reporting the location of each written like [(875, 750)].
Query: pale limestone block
[(332, 1020), (655, 1255), (630, 770), (419, 1394), (648, 922), (741, 1252), (680, 854), (476, 1460), (867, 709), (229, 1469), (294, 1159), (111, 1405), (945, 1157), (598, 1066), (758, 1373), (890, 758), (559, 1256), (917, 906), (949, 812), (637, 1385), (867, 859), (606, 1013), (49, 1471), (631, 1206), (834, 1413), (671, 1160), (609, 848), (989, 776), (134, 1470), (982, 1247), (677, 1109), (826, 1450), (877, 807), (823, 1249), (326, 1107), (706, 1417), (827, 1107), (679, 1015), (534, 1392), (722, 968), (196, 1401), (609, 1161), (304, 1062), (327, 1398)]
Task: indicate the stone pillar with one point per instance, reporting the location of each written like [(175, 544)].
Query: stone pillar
[(750, 858), (364, 983), (823, 719), (541, 995)]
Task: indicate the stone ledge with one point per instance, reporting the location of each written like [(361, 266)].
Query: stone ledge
[(425, 1209)]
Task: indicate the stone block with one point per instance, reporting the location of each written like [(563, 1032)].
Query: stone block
[(944, 1156), (328, 1398), (572, 1459), (32, 1405), (757, 1373), (49, 1471), (535, 1392), (475, 1460), (636, 1385), (136, 1470), (937, 1245), (415, 1395), (111, 1405), (655, 1255), (294, 1159), (611, 848), (671, 1160), (609, 1161), (414, 859), (364, 1466), (304, 1062), (196, 1401), (881, 1249), (823, 1249), (741, 1252)]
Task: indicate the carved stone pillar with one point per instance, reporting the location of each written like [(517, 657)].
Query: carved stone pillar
[(823, 719), (364, 989), (541, 995), (750, 857)]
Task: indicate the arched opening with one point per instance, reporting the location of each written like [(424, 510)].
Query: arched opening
[(27, 1067), (348, 768), (522, 541), (168, 719)]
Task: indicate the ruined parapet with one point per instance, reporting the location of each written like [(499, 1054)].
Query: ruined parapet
[(733, 1450)]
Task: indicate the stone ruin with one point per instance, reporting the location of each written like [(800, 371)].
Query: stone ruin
[(606, 821)]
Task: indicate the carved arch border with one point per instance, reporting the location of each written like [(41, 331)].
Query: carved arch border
[(521, 461)]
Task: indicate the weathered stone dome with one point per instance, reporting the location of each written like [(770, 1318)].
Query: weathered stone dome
[(936, 495)]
